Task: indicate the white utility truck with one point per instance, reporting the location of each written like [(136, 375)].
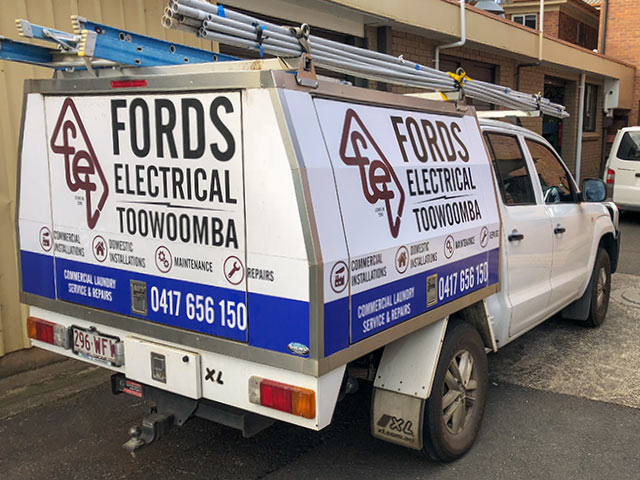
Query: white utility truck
[(245, 243)]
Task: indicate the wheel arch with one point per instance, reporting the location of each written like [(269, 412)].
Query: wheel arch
[(579, 309), (610, 244), (405, 377), (408, 364), (478, 316), (604, 236)]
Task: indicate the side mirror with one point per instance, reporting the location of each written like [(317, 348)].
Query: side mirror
[(594, 190)]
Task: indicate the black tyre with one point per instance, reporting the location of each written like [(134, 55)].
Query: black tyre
[(601, 290), (453, 413)]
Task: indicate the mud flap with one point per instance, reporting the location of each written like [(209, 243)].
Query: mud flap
[(397, 418), (403, 384)]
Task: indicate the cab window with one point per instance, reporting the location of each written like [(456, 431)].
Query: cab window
[(510, 166), (556, 184)]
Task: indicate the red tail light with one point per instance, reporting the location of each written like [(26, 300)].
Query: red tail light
[(611, 176), (275, 395), (280, 396), (40, 330), (49, 332)]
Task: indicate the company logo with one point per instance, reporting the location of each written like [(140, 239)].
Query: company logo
[(81, 167), (298, 349), (396, 423), (379, 181)]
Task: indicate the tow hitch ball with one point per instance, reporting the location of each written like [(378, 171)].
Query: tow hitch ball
[(153, 427), (169, 410)]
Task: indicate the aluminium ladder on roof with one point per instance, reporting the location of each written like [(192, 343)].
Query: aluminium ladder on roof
[(227, 26), (95, 45)]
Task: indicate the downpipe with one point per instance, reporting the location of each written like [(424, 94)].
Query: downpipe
[(459, 43), (583, 77)]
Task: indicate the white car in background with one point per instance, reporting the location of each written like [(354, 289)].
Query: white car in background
[(622, 171)]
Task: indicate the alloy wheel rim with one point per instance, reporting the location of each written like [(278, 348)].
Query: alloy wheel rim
[(460, 385), (601, 287)]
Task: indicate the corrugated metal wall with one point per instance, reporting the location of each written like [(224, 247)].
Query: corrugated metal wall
[(141, 16)]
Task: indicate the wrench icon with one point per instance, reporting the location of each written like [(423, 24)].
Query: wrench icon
[(234, 269)]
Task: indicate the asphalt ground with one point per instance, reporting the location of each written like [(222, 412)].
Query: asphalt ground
[(630, 227), (564, 403)]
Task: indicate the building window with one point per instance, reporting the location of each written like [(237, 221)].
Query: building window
[(590, 108), (579, 34), (530, 20)]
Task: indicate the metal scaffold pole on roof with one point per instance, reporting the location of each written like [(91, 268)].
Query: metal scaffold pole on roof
[(216, 23)]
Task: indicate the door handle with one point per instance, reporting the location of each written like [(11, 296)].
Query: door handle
[(558, 230), (637, 174), (515, 236)]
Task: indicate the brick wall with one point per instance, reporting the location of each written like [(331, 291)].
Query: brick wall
[(568, 30), (531, 81), (560, 25), (621, 42), (551, 23)]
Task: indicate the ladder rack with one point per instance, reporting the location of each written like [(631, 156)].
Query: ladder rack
[(224, 25), (94, 45)]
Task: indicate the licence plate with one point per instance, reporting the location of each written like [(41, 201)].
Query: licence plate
[(95, 345)]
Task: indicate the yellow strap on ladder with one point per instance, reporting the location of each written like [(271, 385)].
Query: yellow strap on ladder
[(460, 79)]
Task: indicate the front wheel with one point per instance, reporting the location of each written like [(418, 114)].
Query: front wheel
[(455, 408), (601, 290)]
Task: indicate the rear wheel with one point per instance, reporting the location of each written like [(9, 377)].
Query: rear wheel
[(601, 281), (454, 410)]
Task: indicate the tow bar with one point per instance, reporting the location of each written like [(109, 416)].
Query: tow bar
[(168, 410), (172, 410), (153, 427)]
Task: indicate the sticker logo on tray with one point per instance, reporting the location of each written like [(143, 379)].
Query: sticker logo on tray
[(379, 180), (81, 167)]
